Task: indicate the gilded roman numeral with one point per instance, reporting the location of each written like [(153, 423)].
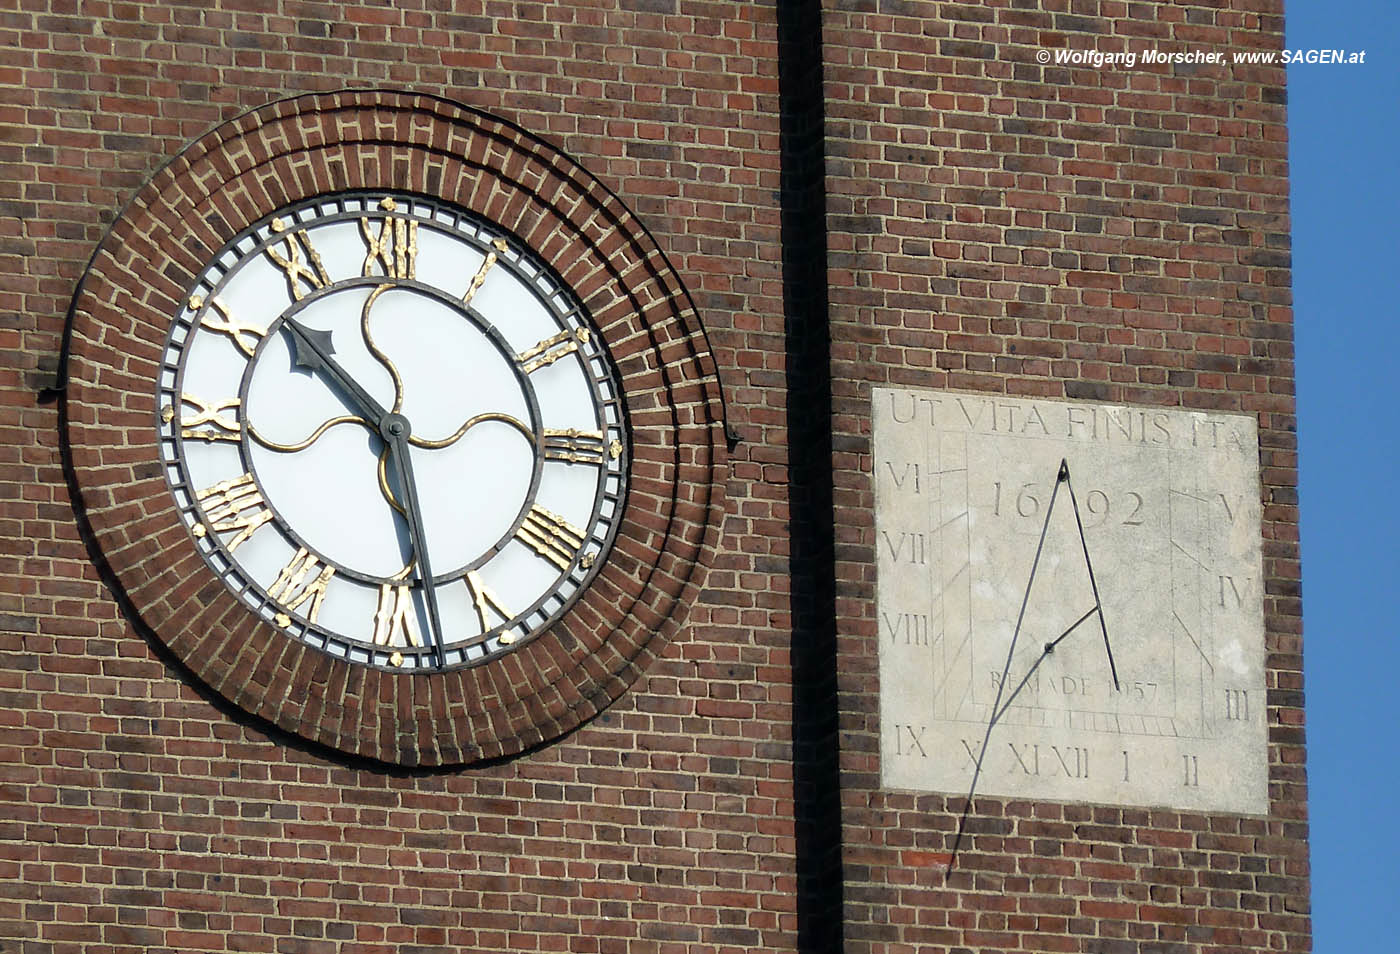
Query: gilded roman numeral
[(487, 604), (551, 350), (300, 582), (499, 245), (237, 331), (310, 271), (208, 423), (574, 446), (395, 622), (234, 506), (394, 247), (550, 536)]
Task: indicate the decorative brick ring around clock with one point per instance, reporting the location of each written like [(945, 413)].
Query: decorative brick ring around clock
[(220, 188)]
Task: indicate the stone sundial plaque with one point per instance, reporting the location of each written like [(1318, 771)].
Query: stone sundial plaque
[(1149, 552)]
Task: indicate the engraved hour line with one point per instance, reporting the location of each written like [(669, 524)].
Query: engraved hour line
[(292, 266), (210, 413), (550, 536), (1191, 636), (1189, 555), (230, 326), (489, 262), (551, 349), (394, 616), (234, 504), (394, 247), (292, 589), (484, 600)]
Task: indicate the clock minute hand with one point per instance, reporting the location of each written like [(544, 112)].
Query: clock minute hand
[(396, 430), (312, 349)]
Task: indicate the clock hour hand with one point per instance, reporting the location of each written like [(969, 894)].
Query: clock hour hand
[(395, 430), (312, 349)]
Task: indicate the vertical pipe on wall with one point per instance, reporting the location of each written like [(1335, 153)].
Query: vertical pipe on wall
[(816, 750)]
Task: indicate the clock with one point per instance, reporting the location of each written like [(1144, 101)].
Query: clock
[(392, 430), (390, 425), (1069, 601)]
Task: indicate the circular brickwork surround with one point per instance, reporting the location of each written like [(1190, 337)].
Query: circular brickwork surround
[(311, 145)]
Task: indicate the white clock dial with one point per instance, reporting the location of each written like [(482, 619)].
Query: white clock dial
[(362, 386)]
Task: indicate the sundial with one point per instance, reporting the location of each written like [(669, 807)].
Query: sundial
[(1070, 601)]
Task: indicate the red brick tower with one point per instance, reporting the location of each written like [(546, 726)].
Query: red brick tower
[(776, 216)]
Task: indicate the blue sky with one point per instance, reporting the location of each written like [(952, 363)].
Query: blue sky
[(1345, 166)]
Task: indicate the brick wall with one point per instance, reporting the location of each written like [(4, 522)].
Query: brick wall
[(992, 225), (143, 813)]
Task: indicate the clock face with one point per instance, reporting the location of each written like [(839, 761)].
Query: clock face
[(393, 432)]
